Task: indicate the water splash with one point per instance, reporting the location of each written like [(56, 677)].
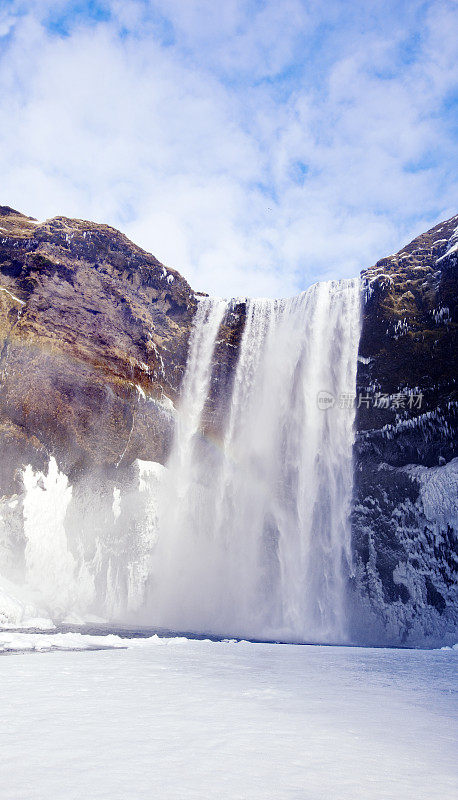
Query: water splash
[(178, 501), (258, 543), (249, 539), (49, 565)]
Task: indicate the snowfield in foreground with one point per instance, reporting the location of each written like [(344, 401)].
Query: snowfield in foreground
[(176, 718)]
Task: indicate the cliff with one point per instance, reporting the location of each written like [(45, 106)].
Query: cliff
[(94, 337), (93, 343), (405, 511)]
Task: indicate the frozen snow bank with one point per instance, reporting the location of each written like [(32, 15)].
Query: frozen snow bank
[(18, 610), (20, 640), (177, 719), (15, 641)]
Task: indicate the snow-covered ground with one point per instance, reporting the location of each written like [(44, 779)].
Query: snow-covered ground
[(176, 718)]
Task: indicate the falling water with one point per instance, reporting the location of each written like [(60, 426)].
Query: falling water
[(179, 496), (255, 541), (248, 536)]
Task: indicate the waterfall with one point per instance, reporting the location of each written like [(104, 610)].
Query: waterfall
[(179, 495), (255, 540), (244, 535)]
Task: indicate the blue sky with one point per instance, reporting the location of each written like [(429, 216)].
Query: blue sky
[(255, 145)]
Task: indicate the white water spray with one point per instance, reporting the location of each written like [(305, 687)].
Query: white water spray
[(247, 536), (255, 540)]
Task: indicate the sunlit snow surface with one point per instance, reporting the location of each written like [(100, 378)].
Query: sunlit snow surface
[(177, 718)]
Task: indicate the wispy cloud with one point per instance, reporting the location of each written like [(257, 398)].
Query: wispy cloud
[(256, 146)]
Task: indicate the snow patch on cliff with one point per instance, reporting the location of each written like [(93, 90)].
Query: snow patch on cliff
[(438, 492), (452, 246), (13, 296)]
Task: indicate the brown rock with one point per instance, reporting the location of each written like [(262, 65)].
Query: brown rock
[(93, 335)]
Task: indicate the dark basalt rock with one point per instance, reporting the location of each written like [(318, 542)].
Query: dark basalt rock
[(224, 362), (405, 555)]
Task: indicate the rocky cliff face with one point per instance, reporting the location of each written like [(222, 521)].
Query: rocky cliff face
[(93, 342), (94, 337), (405, 514)]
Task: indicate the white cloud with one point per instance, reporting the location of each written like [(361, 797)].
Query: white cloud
[(189, 133)]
